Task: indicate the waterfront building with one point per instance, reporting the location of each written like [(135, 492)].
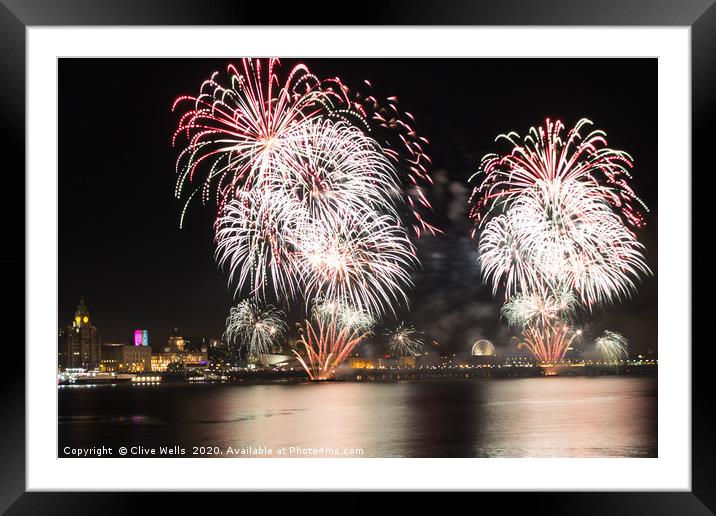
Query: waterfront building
[(357, 362), (120, 357), (80, 344), (161, 362), (141, 337), (176, 343)]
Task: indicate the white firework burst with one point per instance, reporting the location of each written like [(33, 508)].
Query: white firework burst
[(254, 329)]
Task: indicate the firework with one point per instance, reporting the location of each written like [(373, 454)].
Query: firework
[(335, 168), (561, 233), (307, 197), (545, 320), (555, 218), (269, 235), (612, 346), (235, 131), (346, 316), (404, 341), (257, 249), (362, 259), (549, 342), (255, 329), (527, 309), (238, 131), (544, 157), (396, 131), (328, 342)]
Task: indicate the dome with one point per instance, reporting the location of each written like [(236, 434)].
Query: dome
[(483, 348)]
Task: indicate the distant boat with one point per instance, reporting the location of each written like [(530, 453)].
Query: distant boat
[(93, 378)]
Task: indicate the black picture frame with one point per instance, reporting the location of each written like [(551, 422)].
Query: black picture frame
[(700, 15)]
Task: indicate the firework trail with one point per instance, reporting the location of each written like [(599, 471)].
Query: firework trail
[(612, 346), (330, 339), (549, 342), (554, 219), (395, 130), (404, 341), (255, 329)]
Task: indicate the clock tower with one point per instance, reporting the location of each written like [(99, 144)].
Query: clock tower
[(82, 346)]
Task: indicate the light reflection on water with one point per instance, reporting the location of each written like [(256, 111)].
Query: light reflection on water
[(527, 417)]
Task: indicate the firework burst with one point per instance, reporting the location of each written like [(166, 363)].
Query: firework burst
[(545, 157), (527, 309), (555, 218), (361, 259), (612, 346), (254, 329), (329, 340), (308, 198), (561, 233), (335, 189), (236, 128), (346, 316), (404, 341)]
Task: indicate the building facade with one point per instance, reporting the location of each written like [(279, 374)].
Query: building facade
[(120, 357), (80, 344), (178, 355), (161, 362), (175, 344)]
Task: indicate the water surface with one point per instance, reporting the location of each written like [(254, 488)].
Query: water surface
[(608, 416)]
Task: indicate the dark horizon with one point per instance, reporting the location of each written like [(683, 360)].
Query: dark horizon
[(120, 246)]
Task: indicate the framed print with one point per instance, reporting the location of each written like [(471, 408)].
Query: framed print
[(426, 251)]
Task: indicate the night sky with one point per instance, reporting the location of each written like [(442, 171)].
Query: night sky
[(120, 246)]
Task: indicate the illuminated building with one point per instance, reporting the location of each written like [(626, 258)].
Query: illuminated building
[(120, 357), (160, 362), (141, 338), (482, 348), (361, 363), (409, 361), (178, 354), (80, 346), (175, 344)]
